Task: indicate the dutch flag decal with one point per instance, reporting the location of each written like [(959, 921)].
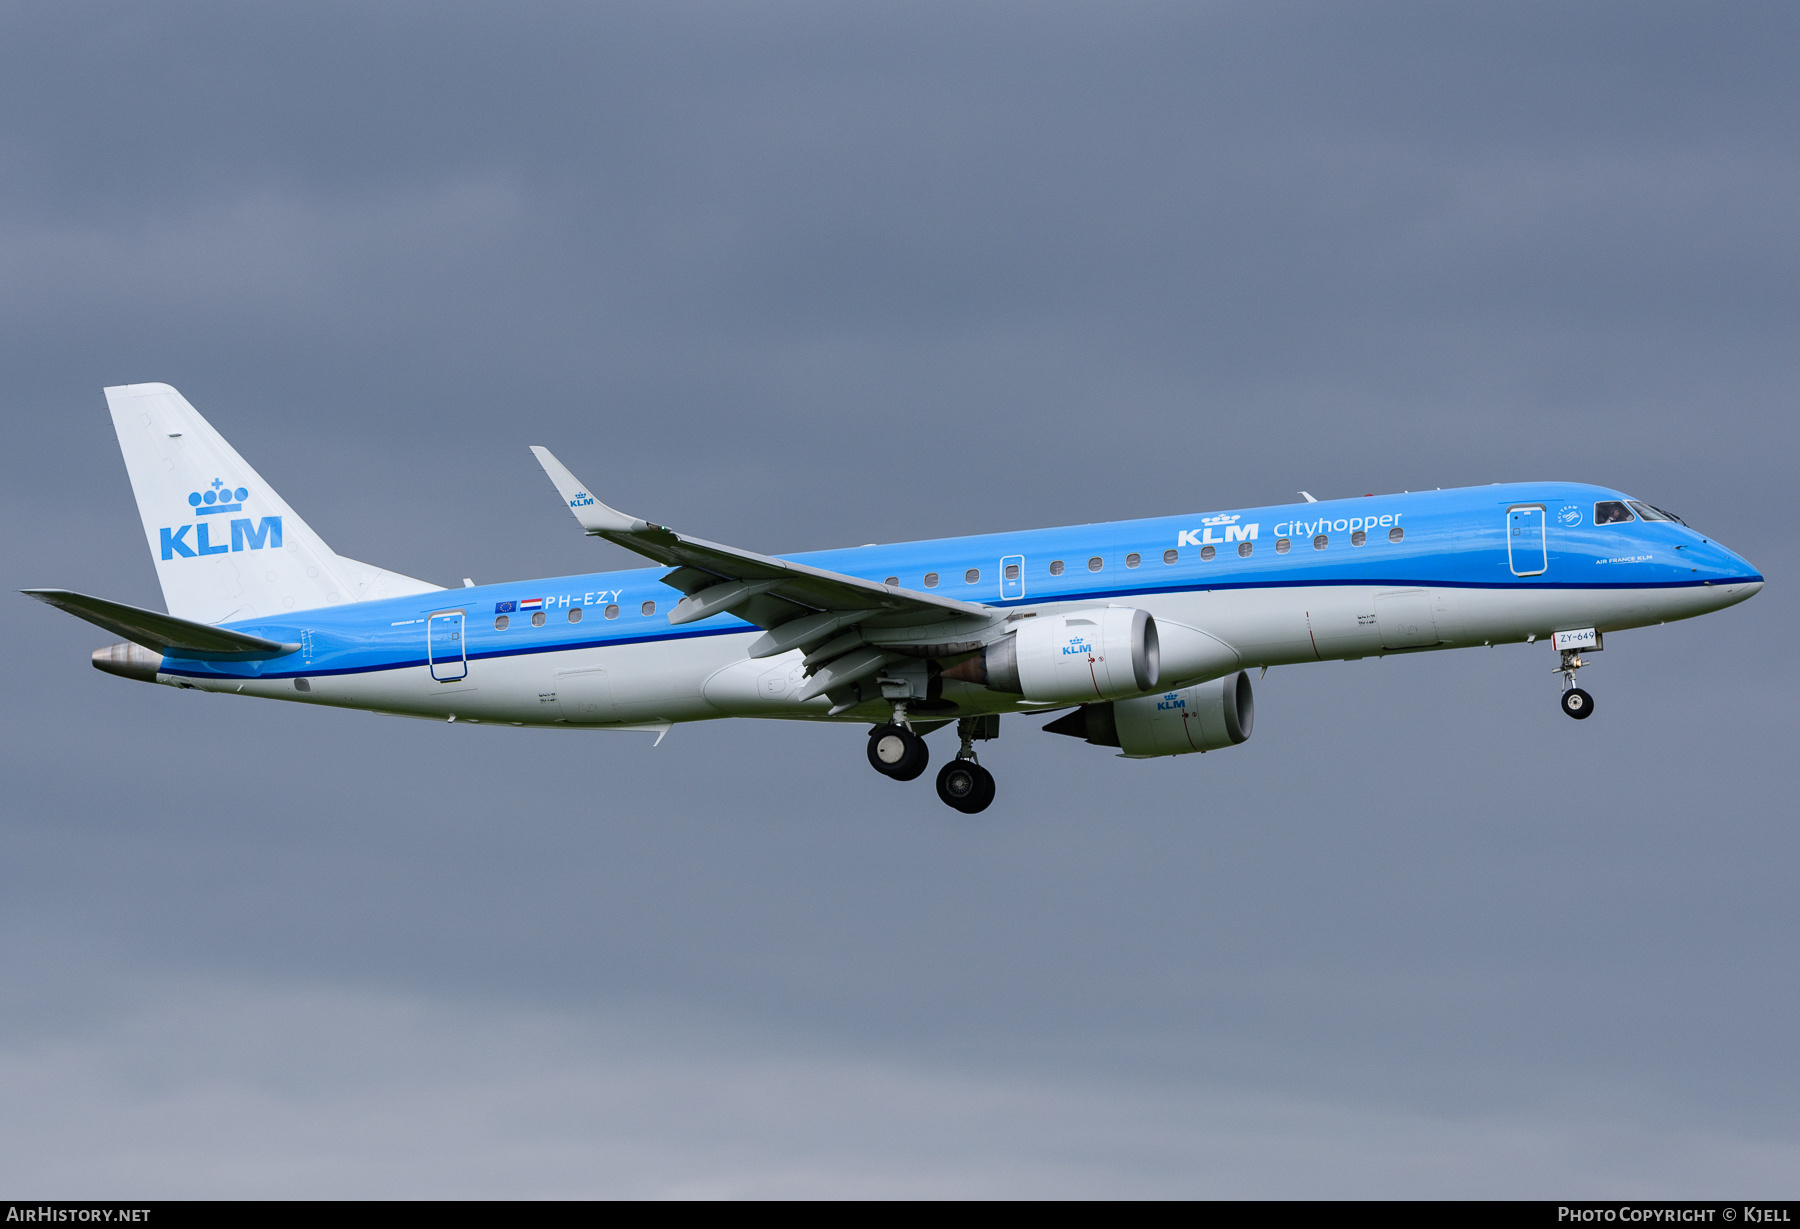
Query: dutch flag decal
[(531, 603)]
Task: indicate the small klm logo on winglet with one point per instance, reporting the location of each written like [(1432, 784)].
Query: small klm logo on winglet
[(582, 499)]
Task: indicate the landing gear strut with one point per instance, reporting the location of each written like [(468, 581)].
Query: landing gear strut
[(963, 783), (1575, 702)]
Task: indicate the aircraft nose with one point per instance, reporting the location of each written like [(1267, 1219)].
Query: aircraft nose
[(1740, 568), (1736, 579)]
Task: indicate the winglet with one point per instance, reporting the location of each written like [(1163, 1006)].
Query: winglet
[(1309, 499), (595, 517)]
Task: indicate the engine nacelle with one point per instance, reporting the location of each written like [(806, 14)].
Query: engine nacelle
[(1072, 657), (1204, 717)]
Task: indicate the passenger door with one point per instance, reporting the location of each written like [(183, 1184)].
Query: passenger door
[(445, 648), (1525, 547)]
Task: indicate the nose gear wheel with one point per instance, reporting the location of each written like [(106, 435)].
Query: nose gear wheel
[(1575, 702)]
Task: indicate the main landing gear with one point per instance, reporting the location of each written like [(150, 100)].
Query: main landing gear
[(1575, 702), (965, 785), (897, 751)]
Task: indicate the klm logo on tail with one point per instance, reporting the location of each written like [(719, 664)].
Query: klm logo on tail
[(246, 532)]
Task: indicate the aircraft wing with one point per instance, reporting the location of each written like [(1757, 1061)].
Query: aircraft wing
[(759, 589), (166, 634)]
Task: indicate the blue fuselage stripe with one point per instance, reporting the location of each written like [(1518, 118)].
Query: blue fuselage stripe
[(1456, 539)]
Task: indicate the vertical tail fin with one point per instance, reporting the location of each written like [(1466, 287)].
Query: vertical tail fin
[(226, 546)]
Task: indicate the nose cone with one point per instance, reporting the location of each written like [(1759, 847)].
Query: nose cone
[(1731, 576)]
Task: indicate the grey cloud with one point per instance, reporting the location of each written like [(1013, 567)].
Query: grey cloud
[(228, 1090)]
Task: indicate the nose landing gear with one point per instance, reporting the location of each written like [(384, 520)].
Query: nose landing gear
[(1575, 702)]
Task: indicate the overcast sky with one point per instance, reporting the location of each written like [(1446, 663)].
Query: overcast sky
[(804, 276)]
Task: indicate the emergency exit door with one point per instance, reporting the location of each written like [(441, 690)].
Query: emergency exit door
[(1525, 546), (1012, 577)]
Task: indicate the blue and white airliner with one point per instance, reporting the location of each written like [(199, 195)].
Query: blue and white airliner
[(1145, 631)]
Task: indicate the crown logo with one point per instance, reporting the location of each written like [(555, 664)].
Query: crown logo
[(218, 498), (1221, 519)]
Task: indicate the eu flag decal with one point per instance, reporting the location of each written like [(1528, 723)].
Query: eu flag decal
[(505, 607)]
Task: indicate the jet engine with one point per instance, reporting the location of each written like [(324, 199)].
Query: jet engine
[(1073, 656), (1204, 717)]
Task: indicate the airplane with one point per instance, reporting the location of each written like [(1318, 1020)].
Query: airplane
[(1141, 634)]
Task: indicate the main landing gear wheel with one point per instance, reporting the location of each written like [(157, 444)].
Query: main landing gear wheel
[(897, 752), (965, 785), (1578, 704)]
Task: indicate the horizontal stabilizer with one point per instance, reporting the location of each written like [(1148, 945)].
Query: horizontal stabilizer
[(168, 635)]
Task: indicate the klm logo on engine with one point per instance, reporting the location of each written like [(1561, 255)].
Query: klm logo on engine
[(247, 533), (1171, 702), (1234, 532), (1078, 646)]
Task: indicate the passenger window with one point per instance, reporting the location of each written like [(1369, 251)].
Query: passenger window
[(1358, 538), (892, 580), (1095, 564), (537, 618), (971, 576), (1612, 512), (648, 608), (501, 622), (1396, 534), (1170, 556), (1244, 549), (1283, 546), (1012, 571), (612, 612), (574, 614), (931, 580), (1321, 542), (1207, 552), (1133, 559), (1056, 567)]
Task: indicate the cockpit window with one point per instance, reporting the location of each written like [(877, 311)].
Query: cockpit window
[(1612, 512), (1650, 513)]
